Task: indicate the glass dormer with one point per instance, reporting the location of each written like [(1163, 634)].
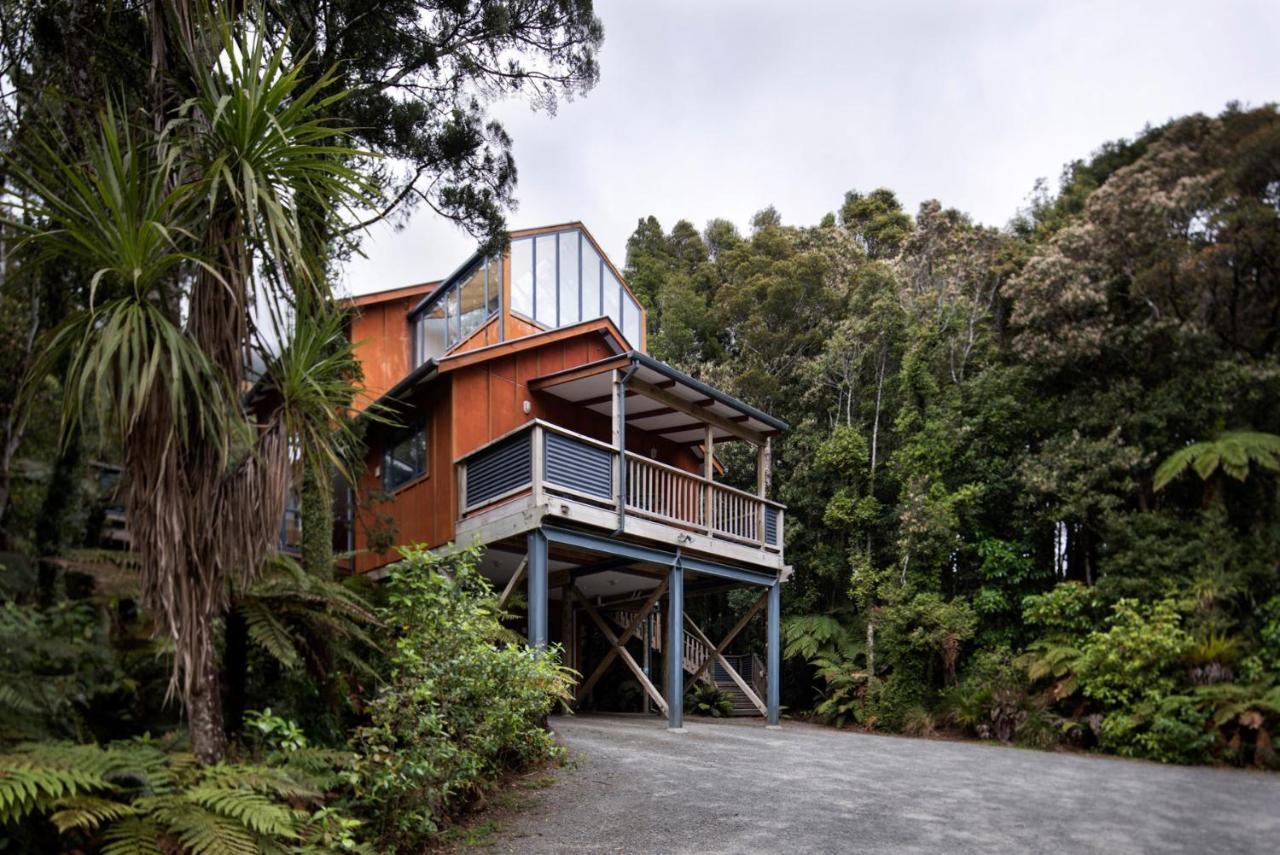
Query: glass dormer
[(554, 278), (458, 308), (559, 279)]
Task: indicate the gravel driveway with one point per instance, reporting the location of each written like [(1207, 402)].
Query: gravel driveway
[(736, 787)]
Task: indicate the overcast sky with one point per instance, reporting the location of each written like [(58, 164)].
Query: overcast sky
[(717, 109)]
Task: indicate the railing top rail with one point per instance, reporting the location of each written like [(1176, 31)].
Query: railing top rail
[(530, 425), (658, 464), (725, 487), (573, 434)]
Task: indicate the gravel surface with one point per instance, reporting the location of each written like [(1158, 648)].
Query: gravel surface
[(632, 786)]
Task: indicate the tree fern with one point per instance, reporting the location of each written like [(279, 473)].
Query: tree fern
[(133, 835), (129, 798), (87, 813), (1233, 453)]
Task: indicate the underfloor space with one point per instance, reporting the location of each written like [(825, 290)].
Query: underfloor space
[(733, 786)]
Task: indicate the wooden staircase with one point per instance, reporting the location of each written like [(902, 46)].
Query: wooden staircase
[(696, 653)]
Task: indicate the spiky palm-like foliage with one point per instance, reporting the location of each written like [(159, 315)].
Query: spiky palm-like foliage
[(137, 798), (1233, 453), (190, 214)]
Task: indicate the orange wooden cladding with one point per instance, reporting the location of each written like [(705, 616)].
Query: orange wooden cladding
[(472, 406), (380, 333), (472, 401)]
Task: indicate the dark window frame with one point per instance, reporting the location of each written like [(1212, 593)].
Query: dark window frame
[(414, 431)]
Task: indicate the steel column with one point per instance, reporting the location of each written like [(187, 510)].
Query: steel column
[(675, 647), (537, 589), (774, 652)]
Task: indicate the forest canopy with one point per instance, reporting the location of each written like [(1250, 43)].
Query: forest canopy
[(980, 536)]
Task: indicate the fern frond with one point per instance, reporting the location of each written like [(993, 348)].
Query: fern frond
[(200, 830), (87, 813), (268, 633), (252, 810), (133, 835)]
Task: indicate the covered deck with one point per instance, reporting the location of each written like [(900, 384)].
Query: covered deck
[(620, 539), (544, 470)]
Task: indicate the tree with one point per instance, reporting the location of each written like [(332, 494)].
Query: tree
[(422, 76), (876, 220), (186, 223)]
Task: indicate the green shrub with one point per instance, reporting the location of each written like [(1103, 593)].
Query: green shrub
[(1136, 658), (993, 701), (707, 699), (1165, 728), (464, 703)]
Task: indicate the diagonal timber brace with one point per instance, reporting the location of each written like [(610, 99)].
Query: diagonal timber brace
[(720, 648), (511, 584), (618, 645), (717, 656)]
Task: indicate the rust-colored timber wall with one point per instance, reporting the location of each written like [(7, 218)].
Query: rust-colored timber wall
[(421, 511), (469, 407), (380, 333), (489, 401)]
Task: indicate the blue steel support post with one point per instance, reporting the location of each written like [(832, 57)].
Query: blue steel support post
[(537, 589), (675, 647), (774, 652)]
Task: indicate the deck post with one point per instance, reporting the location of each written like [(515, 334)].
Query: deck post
[(675, 647), (537, 593), (774, 652)]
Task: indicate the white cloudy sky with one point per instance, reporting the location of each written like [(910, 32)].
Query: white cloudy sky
[(717, 109)]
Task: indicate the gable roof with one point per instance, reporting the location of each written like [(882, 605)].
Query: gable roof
[(432, 368), (422, 289)]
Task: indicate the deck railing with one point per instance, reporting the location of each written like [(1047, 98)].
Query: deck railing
[(540, 457)]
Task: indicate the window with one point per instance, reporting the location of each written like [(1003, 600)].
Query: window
[(435, 341), (405, 457), (630, 319), (544, 280), (591, 265), (555, 280), (522, 277), (612, 298), (569, 291), (473, 308), (493, 284)]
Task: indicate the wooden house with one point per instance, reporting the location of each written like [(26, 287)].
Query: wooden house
[(532, 421)]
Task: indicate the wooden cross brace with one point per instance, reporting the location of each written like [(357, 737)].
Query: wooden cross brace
[(511, 584), (619, 645), (717, 652)]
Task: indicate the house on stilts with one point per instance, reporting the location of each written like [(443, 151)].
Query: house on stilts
[(532, 420)]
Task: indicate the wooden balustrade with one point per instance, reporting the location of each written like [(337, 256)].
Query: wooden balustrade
[(736, 514), (664, 492), (587, 469)]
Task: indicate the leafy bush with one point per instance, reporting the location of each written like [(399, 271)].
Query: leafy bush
[(59, 668), (993, 701), (707, 699), (464, 703), (1135, 658)]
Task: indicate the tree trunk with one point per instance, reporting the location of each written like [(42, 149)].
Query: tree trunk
[(235, 663), (317, 523), (204, 710), (871, 650)]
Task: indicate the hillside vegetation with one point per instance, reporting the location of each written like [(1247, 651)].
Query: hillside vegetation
[(1032, 475)]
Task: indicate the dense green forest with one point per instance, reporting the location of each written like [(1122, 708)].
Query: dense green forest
[(180, 182), (1032, 472), (1032, 476)]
